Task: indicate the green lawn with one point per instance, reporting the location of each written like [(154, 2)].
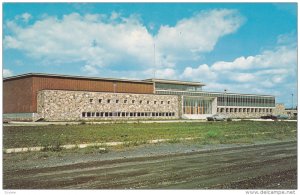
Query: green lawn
[(26, 136)]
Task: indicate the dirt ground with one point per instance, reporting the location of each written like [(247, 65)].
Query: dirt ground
[(270, 165)]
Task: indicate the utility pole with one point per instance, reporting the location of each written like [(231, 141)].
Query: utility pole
[(154, 61), (292, 101), (225, 98)]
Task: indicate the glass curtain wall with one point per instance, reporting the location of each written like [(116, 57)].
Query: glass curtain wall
[(248, 101), (177, 87), (193, 105), (239, 100)]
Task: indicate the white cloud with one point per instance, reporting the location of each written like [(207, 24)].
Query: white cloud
[(25, 17), (287, 39), (7, 73), (114, 15), (279, 57), (98, 40), (71, 39), (238, 63), (201, 73), (90, 70), (192, 36), (243, 77), (166, 73), (266, 73)]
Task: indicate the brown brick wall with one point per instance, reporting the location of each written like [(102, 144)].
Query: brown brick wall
[(17, 96), (20, 95)]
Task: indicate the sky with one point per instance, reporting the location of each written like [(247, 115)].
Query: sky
[(241, 47)]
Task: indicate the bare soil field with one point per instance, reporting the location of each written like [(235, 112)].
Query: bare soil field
[(271, 165)]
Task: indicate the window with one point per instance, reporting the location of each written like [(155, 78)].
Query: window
[(161, 102), (108, 101), (88, 114), (91, 100), (133, 101), (117, 101), (141, 101), (83, 114), (154, 102), (100, 101), (148, 102), (168, 102), (97, 114), (125, 101)]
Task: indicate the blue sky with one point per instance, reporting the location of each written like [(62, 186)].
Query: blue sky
[(245, 48)]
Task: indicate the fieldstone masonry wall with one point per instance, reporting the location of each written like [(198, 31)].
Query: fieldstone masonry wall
[(252, 112), (59, 105), (279, 109)]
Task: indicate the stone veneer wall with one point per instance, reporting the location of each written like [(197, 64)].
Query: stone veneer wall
[(279, 109), (247, 114), (60, 105)]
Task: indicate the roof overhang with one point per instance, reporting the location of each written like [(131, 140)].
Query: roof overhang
[(175, 82), (73, 77)]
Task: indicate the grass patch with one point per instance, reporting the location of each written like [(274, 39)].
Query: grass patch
[(174, 140), (134, 134), (212, 134)]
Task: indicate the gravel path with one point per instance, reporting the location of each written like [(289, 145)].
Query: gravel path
[(161, 166)]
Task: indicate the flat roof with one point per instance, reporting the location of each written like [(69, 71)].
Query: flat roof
[(147, 81), (218, 93), (72, 77), (175, 82)]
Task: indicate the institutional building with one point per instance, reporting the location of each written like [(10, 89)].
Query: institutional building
[(54, 97)]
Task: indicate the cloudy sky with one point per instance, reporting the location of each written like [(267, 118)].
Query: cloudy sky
[(245, 48)]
